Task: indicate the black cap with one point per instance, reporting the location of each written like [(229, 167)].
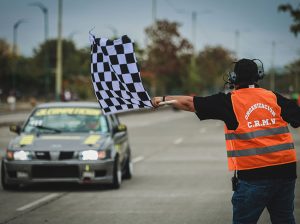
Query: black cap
[(246, 71)]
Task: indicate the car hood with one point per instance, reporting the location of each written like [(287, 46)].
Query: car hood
[(60, 142)]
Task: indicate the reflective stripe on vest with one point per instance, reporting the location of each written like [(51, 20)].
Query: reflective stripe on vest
[(259, 151), (255, 134)]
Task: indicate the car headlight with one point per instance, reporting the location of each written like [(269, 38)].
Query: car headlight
[(92, 155), (9, 155), (21, 155)]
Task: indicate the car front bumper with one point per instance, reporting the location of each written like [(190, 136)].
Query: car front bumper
[(26, 172)]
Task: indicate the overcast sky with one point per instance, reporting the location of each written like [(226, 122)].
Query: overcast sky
[(257, 21)]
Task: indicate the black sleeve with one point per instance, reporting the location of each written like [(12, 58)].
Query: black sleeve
[(290, 111), (217, 106)]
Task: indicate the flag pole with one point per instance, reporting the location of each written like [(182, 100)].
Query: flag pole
[(167, 102)]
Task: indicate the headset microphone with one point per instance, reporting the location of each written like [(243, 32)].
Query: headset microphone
[(227, 83)]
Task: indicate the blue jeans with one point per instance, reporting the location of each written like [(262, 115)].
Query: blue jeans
[(251, 197)]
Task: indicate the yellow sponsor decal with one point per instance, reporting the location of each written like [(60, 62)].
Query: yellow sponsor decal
[(69, 110), (60, 137), (117, 147), (92, 139), (27, 140)]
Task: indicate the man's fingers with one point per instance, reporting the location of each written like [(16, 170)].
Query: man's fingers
[(156, 101)]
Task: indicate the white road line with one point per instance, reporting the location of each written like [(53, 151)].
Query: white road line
[(37, 202), (138, 159), (178, 141)]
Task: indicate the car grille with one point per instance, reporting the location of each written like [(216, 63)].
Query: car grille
[(100, 173), (12, 174), (66, 155), (42, 155), (39, 171)]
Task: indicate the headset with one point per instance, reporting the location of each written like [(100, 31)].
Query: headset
[(232, 76)]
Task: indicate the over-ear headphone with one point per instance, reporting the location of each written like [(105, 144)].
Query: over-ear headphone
[(232, 76), (260, 69)]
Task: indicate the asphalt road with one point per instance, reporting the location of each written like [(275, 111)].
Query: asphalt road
[(180, 177)]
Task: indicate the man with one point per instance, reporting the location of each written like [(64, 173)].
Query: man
[(92, 124), (260, 148)]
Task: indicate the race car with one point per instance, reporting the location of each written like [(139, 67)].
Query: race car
[(67, 142)]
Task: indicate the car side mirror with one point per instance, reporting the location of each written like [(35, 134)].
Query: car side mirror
[(120, 128), (15, 128)]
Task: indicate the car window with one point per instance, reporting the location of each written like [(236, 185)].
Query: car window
[(66, 120)]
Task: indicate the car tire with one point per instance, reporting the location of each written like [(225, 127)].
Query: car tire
[(128, 169), (5, 185), (117, 174)]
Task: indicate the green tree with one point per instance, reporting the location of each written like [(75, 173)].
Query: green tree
[(293, 70), (27, 83), (17, 73), (295, 13), (5, 66), (165, 50), (76, 66), (192, 81), (72, 58)]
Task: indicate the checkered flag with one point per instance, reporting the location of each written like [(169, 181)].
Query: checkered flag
[(116, 75)]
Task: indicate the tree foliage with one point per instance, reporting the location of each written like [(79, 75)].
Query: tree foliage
[(31, 73), (74, 61), (76, 66), (170, 57), (169, 65), (165, 51), (213, 63), (293, 70), (5, 65), (295, 13)]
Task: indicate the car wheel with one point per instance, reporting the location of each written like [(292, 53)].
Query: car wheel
[(117, 174), (4, 183), (128, 171)]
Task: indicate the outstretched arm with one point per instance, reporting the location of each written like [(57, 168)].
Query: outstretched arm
[(181, 102)]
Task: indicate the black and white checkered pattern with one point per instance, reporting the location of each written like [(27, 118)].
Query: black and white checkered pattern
[(116, 75)]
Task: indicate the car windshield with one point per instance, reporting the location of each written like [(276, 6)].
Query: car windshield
[(67, 119)]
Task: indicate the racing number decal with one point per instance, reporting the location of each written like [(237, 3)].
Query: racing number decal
[(27, 140), (92, 139)]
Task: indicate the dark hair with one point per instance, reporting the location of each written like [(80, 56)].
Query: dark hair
[(246, 71)]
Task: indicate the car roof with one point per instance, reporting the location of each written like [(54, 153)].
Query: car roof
[(69, 104)]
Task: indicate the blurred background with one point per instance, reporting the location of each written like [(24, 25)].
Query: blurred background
[(183, 47)]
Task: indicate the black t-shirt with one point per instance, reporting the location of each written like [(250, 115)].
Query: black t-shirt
[(219, 106)]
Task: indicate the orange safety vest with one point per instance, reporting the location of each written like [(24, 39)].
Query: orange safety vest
[(262, 137)]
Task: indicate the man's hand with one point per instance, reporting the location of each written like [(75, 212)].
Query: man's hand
[(156, 100)]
